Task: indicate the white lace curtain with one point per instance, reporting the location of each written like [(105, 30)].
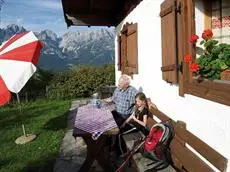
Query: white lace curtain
[(221, 20)]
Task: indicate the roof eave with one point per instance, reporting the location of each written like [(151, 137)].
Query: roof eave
[(89, 20), (94, 17)]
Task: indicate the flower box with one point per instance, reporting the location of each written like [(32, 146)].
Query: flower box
[(225, 75)]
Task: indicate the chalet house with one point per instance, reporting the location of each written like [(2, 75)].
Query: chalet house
[(152, 38)]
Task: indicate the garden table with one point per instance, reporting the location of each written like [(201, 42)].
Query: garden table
[(89, 120)]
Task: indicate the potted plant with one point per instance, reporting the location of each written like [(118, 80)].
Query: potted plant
[(214, 59)]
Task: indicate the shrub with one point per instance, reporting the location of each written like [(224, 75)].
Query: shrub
[(36, 86), (80, 81)]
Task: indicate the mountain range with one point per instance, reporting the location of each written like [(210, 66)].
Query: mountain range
[(94, 47)]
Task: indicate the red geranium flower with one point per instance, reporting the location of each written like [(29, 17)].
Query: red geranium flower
[(194, 67), (207, 34), (194, 38), (187, 58)]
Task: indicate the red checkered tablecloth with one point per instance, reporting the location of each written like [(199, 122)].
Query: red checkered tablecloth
[(94, 120)]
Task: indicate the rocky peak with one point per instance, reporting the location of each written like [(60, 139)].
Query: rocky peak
[(80, 47), (12, 29), (47, 35)]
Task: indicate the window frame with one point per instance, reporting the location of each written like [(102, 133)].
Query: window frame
[(217, 91)]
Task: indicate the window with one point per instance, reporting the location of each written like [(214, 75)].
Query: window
[(213, 14), (127, 49), (217, 17)]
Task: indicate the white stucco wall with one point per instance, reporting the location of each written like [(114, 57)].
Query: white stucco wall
[(206, 119)]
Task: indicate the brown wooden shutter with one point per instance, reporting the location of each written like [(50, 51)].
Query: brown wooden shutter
[(169, 41), (131, 60), (123, 51), (119, 52)]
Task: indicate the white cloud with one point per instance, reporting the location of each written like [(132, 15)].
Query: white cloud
[(47, 4), (43, 17), (55, 21), (35, 15), (18, 21), (36, 4)]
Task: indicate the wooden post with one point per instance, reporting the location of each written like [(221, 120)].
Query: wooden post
[(18, 98), (26, 97), (23, 129), (181, 124), (20, 110), (46, 92), (19, 103)]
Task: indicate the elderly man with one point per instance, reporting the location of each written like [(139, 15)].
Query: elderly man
[(123, 98)]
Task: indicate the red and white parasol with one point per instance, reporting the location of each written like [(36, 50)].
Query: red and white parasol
[(18, 59), (4, 93)]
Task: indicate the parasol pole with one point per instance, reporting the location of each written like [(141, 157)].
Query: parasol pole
[(25, 137), (20, 110)]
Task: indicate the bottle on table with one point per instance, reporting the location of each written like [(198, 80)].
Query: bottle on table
[(96, 101)]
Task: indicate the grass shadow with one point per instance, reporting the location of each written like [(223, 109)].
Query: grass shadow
[(41, 154), (57, 123), (45, 164), (4, 162), (13, 117)]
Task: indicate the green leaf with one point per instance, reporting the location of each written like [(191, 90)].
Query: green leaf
[(202, 42), (223, 66), (213, 59), (217, 50)]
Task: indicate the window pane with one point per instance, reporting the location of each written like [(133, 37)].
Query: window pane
[(212, 58), (221, 20), (213, 15)]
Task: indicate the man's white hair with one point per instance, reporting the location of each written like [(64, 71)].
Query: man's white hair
[(125, 78)]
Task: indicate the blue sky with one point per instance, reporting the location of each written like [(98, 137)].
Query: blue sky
[(36, 15)]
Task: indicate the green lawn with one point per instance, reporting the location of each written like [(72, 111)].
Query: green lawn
[(46, 119)]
